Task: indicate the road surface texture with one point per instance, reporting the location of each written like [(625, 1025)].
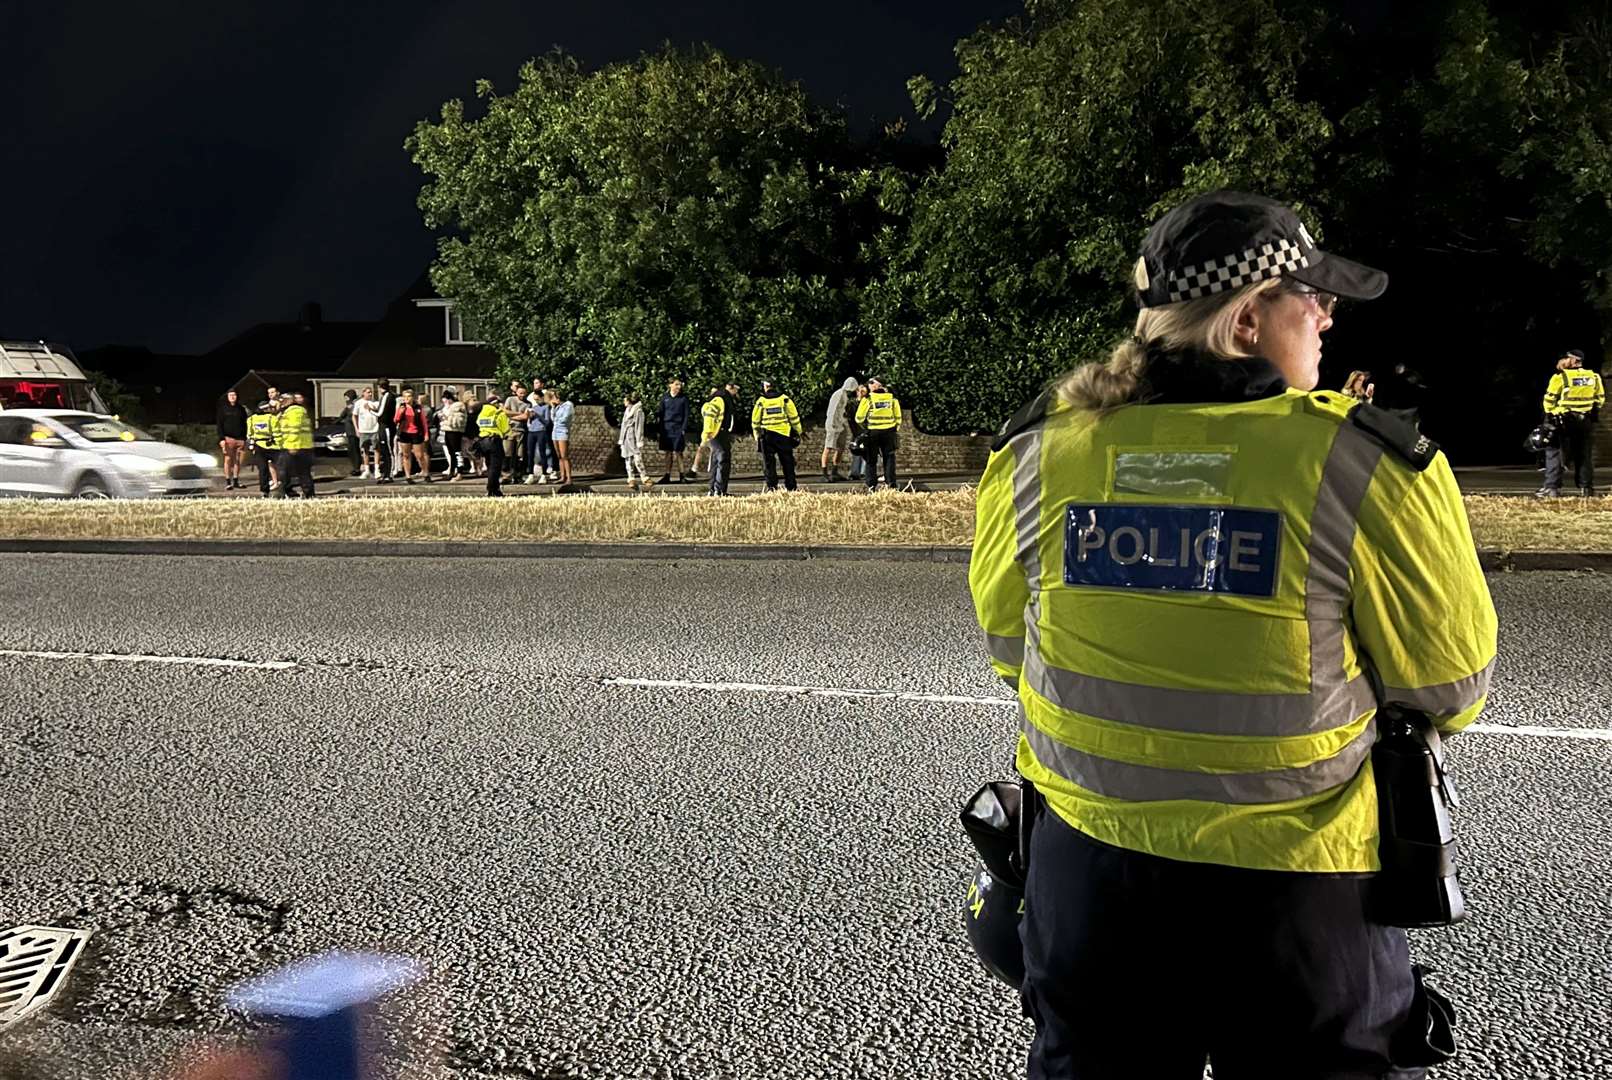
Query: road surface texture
[(708, 873)]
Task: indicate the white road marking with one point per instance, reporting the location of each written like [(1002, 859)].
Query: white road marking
[(137, 658), (811, 691), (1592, 734)]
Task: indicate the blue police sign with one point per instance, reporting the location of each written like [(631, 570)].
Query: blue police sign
[(1173, 548)]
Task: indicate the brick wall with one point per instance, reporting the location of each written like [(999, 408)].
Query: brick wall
[(593, 449)]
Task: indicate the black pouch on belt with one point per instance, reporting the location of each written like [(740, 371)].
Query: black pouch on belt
[(998, 820), (1417, 885)]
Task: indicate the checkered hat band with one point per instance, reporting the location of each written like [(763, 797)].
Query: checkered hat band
[(1268, 260)]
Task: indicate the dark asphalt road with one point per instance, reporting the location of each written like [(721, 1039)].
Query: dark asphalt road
[(612, 880)]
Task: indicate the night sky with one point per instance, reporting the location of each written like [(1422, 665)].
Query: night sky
[(178, 171)]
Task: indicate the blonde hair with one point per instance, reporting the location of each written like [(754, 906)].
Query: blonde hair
[(1207, 324), (1566, 362), (1355, 385)]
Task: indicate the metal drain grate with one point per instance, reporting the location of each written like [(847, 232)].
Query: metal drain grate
[(34, 962)]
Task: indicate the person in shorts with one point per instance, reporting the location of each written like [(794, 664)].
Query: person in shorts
[(367, 422), (837, 430), (673, 430), (232, 437), (515, 408)]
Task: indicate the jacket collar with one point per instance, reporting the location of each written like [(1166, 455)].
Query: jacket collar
[(1191, 377)]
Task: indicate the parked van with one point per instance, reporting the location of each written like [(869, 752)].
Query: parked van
[(37, 375)]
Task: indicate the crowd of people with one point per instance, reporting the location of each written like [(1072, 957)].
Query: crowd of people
[(524, 437)]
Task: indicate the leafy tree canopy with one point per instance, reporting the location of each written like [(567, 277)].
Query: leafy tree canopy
[(683, 215), (1070, 131)]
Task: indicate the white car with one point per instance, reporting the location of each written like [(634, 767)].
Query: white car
[(53, 453)]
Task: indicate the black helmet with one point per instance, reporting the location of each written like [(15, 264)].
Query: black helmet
[(1543, 436), (994, 821), (991, 914)]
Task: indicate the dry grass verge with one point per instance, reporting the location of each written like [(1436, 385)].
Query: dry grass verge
[(1525, 524), (889, 518), (886, 518)]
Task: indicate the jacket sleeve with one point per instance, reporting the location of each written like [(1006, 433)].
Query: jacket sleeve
[(1553, 393), (755, 414), (995, 577), (1600, 391), (794, 416), (862, 410), (896, 404), (1421, 607)]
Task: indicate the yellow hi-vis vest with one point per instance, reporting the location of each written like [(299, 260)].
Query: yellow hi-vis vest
[(776, 414), (712, 414), (260, 430), (1195, 601), (295, 430), (879, 411), (1576, 390), (492, 421)]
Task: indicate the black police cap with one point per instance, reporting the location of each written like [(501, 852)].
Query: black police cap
[(1227, 239)]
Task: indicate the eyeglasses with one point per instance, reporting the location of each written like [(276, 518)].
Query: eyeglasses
[(1326, 303)]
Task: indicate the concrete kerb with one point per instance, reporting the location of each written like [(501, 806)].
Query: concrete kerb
[(1492, 559), (491, 549)]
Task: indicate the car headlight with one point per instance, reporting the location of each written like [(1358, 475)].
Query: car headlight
[(205, 461), (136, 463)]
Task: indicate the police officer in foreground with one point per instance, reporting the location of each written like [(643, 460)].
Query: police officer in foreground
[(295, 434), (777, 427), (1573, 402), (1204, 582)]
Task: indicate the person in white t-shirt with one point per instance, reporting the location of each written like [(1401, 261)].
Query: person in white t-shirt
[(367, 422)]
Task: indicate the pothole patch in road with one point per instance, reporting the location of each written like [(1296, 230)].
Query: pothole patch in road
[(163, 955)]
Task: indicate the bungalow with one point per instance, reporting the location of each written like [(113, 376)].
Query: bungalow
[(421, 343)]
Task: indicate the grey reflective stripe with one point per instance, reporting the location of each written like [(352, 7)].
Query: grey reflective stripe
[(1149, 783), (1008, 650), (1027, 505), (1446, 699), (1344, 479), (1203, 712)]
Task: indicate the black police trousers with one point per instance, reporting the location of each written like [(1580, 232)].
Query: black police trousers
[(1137, 966), (296, 470), (492, 453), (777, 450)]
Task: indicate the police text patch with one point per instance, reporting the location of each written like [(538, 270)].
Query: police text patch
[(1173, 548)]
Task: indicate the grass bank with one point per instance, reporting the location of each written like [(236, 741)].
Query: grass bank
[(886, 518), (889, 518)]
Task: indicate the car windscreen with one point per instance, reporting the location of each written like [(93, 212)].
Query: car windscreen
[(103, 429)]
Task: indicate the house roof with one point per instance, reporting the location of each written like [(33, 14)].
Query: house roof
[(310, 344), (408, 344)]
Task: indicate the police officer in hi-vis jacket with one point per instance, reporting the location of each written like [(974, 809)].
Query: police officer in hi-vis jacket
[(1204, 580)]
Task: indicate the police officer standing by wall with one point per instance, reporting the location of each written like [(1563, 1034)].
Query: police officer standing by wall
[(1573, 402), (880, 416), (261, 428), (1204, 583), (296, 447), (714, 430), (492, 428), (777, 427)]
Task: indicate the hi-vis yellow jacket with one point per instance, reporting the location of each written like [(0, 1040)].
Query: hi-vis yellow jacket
[(1576, 390), (1203, 604)]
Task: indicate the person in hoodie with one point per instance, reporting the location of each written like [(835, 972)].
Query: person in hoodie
[(837, 430), (232, 437), (631, 441)]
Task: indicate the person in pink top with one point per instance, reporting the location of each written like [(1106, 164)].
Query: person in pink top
[(414, 436)]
